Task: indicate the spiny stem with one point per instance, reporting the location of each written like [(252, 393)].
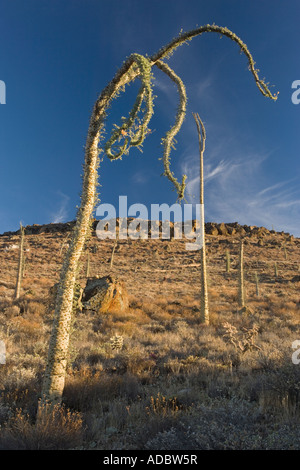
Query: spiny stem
[(204, 310), (241, 276), (167, 50), (170, 135)]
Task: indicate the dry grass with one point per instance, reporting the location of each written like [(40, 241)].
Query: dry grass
[(58, 429), (154, 377)]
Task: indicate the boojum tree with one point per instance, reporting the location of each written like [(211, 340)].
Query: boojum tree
[(21, 263), (204, 308), (131, 132), (241, 290)]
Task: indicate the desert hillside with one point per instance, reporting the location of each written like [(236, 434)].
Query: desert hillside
[(153, 377)]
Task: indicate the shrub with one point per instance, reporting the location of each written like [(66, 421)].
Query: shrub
[(58, 428)]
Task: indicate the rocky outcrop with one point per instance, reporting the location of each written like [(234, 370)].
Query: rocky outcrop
[(36, 229), (222, 229), (211, 228)]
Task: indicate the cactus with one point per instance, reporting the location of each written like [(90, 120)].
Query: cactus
[(256, 283), (131, 132), (113, 252), (275, 269), (204, 309), (21, 263), (76, 304), (227, 261), (241, 295)]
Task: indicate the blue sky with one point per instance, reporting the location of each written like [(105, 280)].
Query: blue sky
[(56, 56)]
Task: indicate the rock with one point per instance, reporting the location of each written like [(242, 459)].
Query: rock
[(259, 232), (105, 294), (241, 231), (211, 229), (222, 229), (230, 230)]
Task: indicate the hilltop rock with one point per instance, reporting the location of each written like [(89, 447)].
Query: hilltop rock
[(211, 229), (230, 230), (222, 229), (259, 232)]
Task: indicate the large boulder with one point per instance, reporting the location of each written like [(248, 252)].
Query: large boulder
[(105, 294)]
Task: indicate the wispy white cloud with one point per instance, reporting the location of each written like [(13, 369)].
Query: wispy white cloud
[(234, 191), (139, 177), (61, 213), (272, 188)]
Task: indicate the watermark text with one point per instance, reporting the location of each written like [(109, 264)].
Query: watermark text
[(2, 92), (138, 227), (2, 352), (296, 354), (296, 94)]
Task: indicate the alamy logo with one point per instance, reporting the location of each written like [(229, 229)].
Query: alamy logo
[(2, 92), (138, 227), (296, 95), (296, 354)]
